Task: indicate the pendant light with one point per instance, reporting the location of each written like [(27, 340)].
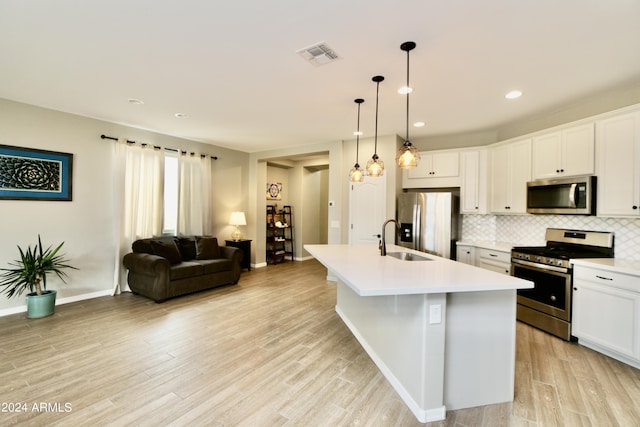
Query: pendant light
[(375, 166), (356, 174), (407, 156)]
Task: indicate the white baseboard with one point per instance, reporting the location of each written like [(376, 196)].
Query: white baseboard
[(59, 301)]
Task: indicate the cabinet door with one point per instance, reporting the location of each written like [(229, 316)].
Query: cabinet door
[(510, 171), (466, 254), (546, 150), (446, 165), (500, 188), (470, 185), (578, 150), (520, 174), (568, 152), (423, 169), (436, 165), (618, 169), (607, 317)]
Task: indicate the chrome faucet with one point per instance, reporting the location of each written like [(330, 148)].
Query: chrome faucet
[(383, 248)]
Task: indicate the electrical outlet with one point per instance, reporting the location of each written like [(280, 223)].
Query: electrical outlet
[(435, 314)]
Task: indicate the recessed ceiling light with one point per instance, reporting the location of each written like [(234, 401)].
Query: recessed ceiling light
[(181, 115), (513, 94), (405, 90), (358, 133), (135, 101), (418, 124)]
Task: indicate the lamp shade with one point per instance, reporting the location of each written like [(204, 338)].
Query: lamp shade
[(237, 218)]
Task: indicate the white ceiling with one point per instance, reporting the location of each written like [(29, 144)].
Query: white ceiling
[(232, 66)]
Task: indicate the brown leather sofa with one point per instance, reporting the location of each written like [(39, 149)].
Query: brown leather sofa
[(165, 267)]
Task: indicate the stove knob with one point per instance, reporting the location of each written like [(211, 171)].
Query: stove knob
[(538, 259), (560, 263)]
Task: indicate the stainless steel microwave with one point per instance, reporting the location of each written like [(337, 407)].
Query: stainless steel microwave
[(564, 196)]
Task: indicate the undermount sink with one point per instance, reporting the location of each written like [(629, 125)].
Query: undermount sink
[(408, 256)]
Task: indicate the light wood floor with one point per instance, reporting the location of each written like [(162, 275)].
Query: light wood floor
[(269, 351)]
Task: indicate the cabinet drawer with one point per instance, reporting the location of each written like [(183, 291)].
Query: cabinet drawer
[(607, 278), (498, 267), (493, 255)]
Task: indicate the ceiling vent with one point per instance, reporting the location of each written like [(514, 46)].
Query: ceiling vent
[(318, 54)]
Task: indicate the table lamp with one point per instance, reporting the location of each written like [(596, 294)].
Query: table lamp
[(237, 218)]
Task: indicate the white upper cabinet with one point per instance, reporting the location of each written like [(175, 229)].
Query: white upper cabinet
[(618, 165), (473, 188), (510, 170), (436, 165), (435, 169), (566, 152)]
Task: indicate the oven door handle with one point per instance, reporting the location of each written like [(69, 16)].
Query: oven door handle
[(540, 267)]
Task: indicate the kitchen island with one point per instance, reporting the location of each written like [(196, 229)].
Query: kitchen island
[(442, 332)]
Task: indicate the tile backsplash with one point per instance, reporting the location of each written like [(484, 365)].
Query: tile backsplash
[(530, 229)]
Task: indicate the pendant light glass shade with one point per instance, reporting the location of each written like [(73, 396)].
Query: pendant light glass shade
[(356, 174), (375, 166), (407, 156)]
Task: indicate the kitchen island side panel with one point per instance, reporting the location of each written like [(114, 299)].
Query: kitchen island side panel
[(480, 348), (408, 349)]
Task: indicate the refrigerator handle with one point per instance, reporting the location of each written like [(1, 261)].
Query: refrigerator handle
[(417, 232)]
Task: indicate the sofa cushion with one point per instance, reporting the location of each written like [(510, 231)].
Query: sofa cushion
[(168, 249), (215, 265), (207, 248), (142, 246), (185, 270), (187, 248)]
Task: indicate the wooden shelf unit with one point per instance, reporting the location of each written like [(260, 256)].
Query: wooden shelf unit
[(280, 244)]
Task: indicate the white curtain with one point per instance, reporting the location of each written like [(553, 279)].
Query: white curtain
[(194, 195), (138, 190)]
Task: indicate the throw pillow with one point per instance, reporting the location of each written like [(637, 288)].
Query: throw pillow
[(167, 249), (207, 248), (187, 248)]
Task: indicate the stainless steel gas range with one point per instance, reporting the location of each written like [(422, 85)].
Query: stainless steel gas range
[(547, 305)]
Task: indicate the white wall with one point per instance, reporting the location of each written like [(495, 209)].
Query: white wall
[(86, 224)]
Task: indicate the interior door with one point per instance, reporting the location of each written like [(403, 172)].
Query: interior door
[(367, 201)]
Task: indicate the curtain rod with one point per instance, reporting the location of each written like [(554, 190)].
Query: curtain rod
[(103, 136)]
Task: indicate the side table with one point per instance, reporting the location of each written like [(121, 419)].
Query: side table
[(245, 246)]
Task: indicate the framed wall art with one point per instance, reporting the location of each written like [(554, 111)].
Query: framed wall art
[(274, 190), (30, 174)]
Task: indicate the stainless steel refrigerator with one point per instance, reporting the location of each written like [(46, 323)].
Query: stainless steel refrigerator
[(429, 222)]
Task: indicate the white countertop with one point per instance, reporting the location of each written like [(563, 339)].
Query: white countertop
[(611, 264), (366, 272), (488, 244)]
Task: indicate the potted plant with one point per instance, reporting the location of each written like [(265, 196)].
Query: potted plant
[(30, 271)]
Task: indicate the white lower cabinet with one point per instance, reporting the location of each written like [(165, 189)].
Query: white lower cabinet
[(466, 254), (606, 312), (493, 260), (483, 257)]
